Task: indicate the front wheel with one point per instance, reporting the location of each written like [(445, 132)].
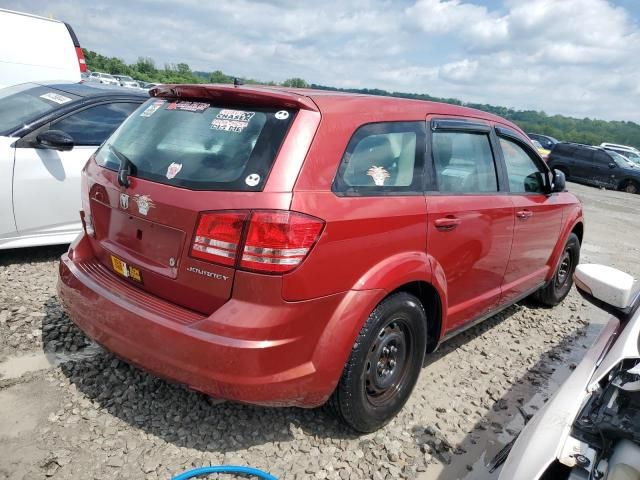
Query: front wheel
[(558, 288), (384, 364)]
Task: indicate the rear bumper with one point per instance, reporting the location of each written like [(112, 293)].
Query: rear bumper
[(271, 353)]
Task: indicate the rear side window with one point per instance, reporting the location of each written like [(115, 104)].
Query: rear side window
[(464, 162), (522, 171), (584, 154), (93, 125), (199, 145), (382, 159)]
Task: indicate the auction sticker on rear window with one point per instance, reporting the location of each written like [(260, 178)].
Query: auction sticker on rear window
[(151, 109), (55, 98), (185, 106), (232, 120)]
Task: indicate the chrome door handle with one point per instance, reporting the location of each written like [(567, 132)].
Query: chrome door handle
[(524, 214), (447, 224)]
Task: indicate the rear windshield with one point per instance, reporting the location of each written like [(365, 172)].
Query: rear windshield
[(23, 104), (199, 145)]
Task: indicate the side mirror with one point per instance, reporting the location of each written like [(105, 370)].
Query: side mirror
[(612, 165), (56, 140), (559, 181), (606, 287)]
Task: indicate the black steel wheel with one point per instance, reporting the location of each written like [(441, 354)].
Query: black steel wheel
[(384, 364)]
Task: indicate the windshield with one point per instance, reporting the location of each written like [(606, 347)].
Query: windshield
[(199, 145), (621, 160), (23, 104)]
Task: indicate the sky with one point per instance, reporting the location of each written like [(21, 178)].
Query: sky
[(573, 57)]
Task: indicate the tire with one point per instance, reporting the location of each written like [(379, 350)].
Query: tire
[(558, 288), (630, 187), (384, 364)]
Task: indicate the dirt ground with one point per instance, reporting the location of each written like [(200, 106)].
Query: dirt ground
[(71, 410)]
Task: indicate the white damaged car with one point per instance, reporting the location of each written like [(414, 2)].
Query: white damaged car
[(590, 429)]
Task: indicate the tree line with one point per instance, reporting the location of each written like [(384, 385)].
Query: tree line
[(581, 130)]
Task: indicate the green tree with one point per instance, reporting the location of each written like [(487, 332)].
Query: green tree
[(295, 83)]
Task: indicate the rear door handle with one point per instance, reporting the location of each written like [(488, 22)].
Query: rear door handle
[(524, 214), (447, 224)]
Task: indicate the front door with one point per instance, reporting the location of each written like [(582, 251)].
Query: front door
[(538, 219), (470, 224), (46, 188)]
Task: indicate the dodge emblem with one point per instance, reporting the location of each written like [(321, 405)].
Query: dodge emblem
[(124, 201)]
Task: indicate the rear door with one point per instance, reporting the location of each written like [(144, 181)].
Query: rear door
[(470, 219), (46, 184), (172, 226), (583, 165), (537, 216), (603, 170)]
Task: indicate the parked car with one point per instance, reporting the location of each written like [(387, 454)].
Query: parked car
[(544, 153), (590, 428), (126, 81), (546, 141), (47, 133), (629, 152), (104, 78), (303, 248), (38, 48), (595, 166)]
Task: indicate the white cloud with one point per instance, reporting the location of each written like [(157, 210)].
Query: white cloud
[(576, 57)]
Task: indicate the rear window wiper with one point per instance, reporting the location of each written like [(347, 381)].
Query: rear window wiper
[(126, 166)]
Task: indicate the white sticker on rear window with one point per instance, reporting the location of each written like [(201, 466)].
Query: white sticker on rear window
[(151, 109), (237, 115), (55, 97), (282, 115), (188, 106), (235, 126), (252, 180)]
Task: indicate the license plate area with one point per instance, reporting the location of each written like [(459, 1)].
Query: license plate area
[(125, 270)]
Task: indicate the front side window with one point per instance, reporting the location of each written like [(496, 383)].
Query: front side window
[(383, 158), (464, 162), (93, 125), (199, 145), (522, 171)]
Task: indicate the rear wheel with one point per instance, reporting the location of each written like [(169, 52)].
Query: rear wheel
[(384, 364), (631, 187), (558, 288)]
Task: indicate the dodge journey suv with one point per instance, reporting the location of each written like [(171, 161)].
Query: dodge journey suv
[(294, 247)]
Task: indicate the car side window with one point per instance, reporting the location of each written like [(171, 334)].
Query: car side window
[(602, 158), (382, 159), (523, 173), (94, 125), (464, 162), (584, 154)]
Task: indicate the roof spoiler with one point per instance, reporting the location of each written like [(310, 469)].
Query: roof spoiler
[(252, 95)]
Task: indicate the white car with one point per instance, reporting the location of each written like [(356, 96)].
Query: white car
[(631, 153), (47, 134), (104, 78), (37, 48), (127, 81), (590, 429)]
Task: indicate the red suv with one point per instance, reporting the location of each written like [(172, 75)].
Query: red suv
[(293, 247)]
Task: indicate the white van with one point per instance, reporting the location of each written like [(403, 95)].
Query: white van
[(36, 48)]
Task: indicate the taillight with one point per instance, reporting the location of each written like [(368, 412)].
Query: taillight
[(275, 241), (279, 241), (218, 237), (81, 60)]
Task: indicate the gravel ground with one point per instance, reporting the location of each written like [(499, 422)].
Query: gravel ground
[(72, 410)]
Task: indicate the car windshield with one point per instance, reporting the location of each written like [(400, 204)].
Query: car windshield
[(125, 78), (620, 160), (199, 145), (106, 75), (23, 104)]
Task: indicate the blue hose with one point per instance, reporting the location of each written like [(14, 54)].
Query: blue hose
[(196, 472)]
